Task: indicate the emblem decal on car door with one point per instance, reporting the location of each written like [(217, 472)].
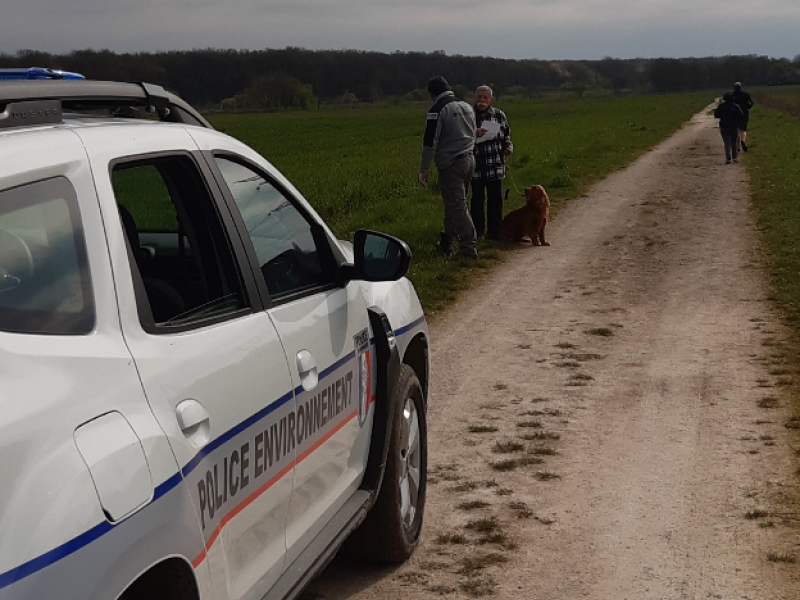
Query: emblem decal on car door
[(361, 341)]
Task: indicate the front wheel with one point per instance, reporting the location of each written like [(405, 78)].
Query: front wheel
[(392, 528)]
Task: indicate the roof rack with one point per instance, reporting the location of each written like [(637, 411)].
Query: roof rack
[(79, 96)]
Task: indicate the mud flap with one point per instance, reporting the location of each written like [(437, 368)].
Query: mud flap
[(388, 368)]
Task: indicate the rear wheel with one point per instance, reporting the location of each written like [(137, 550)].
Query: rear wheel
[(172, 579), (392, 528)]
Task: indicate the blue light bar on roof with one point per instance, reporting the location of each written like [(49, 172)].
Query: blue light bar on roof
[(37, 73)]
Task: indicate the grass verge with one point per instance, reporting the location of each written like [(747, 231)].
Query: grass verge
[(773, 164), (774, 167)]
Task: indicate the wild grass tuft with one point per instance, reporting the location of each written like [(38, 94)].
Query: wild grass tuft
[(782, 557), (526, 461), (478, 587), (507, 447), (451, 538), (768, 402), (498, 537), (483, 525), (521, 510), (466, 486), (482, 428), (508, 464), (792, 422), (539, 436), (472, 505), (600, 331), (581, 377)]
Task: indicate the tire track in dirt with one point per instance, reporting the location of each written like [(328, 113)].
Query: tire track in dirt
[(606, 415)]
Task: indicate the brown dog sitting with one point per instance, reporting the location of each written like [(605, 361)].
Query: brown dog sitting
[(529, 220)]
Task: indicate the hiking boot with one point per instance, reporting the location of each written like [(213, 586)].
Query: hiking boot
[(445, 246), (744, 146)]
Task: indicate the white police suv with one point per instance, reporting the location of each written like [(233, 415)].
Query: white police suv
[(202, 391)]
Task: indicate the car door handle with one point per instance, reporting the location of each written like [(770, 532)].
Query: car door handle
[(194, 421), (307, 369)]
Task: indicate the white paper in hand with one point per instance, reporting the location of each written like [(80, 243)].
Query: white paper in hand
[(492, 129)]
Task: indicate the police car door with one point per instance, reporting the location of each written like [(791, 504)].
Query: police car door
[(324, 328), (210, 361)]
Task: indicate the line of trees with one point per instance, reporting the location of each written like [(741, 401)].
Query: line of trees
[(296, 77)]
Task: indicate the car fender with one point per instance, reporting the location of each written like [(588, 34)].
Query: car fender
[(387, 371), (399, 301)]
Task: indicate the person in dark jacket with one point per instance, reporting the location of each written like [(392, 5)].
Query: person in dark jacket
[(745, 102), (730, 117)]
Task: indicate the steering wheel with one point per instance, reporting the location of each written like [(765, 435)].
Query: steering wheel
[(16, 260), (283, 272)]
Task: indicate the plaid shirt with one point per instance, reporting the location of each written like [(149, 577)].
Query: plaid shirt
[(489, 158)]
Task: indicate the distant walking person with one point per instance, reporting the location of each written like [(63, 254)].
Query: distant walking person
[(745, 102), (491, 150), (449, 141), (730, 117)]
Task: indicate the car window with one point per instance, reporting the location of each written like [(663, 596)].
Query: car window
[(142, 189), (286, 244), (44, 275), (179, 249)]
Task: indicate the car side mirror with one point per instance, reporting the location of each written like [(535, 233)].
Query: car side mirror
[(378, 257)]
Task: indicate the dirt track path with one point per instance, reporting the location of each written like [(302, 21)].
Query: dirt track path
[(606, 419)]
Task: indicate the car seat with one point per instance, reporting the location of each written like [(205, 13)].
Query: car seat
[(165, 301)]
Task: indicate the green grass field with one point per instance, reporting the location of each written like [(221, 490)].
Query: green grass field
[(358, 167), (773, 163), (774, 167), (784, 99)]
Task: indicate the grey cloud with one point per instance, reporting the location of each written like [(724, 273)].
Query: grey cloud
[(511, 28)]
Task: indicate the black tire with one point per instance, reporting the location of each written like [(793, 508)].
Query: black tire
[(390, 534), (172, 579)]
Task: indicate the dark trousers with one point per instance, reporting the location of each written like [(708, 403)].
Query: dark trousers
[(492, 193), (729, 136)]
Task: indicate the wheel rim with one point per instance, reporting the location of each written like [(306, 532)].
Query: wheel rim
[(410, 460)]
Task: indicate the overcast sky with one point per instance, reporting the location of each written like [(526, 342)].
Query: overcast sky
[(544, 29)]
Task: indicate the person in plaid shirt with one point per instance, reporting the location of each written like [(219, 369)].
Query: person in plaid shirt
[(490, 168)]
